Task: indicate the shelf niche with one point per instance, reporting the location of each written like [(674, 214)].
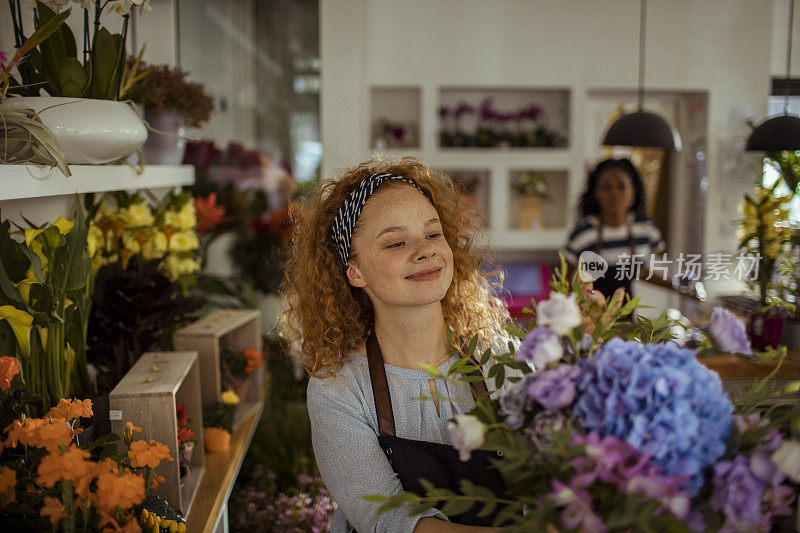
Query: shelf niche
[(395, 117)]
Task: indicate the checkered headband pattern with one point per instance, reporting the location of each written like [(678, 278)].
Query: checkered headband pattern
[(345, 221)]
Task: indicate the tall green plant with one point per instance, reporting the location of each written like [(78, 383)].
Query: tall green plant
[(45, 284)]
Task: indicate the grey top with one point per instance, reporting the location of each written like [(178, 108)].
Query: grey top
[(344, 433)]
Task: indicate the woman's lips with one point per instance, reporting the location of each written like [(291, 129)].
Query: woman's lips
[(426, 275)]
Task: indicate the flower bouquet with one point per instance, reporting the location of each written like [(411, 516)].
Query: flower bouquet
[(606, 426)]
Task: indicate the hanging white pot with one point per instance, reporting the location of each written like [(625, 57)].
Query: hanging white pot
[(91, 132), (167, 143)]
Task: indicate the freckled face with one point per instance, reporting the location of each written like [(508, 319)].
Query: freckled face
[(399, 254), (614, 191)]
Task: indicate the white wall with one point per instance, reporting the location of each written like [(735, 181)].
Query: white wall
[(722, 47)]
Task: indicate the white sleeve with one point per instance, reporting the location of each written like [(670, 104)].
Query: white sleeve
[(352, 462)]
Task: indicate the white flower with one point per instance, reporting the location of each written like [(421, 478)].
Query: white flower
[(85, 4), (560, 313), (467, 434), (56, 5), (787, 459)]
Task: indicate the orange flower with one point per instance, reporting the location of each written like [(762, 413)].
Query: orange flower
[(158, 480), (9, 367), (254, 359), (53, 432), (54, 509), (208, 212), (148, 453), (70, 409), (185, 434), (71, 465), (8, 485), (24, 432), (130, 428), (123, 491), (106, 465)]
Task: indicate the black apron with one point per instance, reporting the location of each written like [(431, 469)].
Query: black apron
[(438, 463)]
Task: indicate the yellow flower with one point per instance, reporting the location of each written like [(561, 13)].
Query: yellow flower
[(95, 240), (175, 267), (138, 215), (31, 234), (130, 242), (21, 322), (156, 247), (186, 217), (24, 289), (183, 241), (229, 398), (64, 226)]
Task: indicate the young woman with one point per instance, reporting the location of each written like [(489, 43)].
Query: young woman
[(612, 223), (381, 267)]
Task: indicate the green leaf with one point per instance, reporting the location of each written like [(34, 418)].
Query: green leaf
[(514, 330), (71, 77), (71, 263), (456, 507), (485, 357), (104, 64), (472, 345)]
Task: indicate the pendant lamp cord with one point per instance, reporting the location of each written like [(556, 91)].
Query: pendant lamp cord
[(642, 33), (788, 59)]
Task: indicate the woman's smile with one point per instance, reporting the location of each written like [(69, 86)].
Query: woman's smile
[(431, 274)]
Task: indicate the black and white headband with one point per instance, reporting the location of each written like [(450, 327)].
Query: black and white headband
[(346, 218)]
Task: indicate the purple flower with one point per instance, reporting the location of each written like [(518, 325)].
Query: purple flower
[(555, 388), (540, 347), (515, 402), (444, 111), (728, 332), (737, 493), (577, 512)]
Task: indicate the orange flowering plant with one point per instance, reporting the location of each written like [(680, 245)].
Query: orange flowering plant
[(49, 482)]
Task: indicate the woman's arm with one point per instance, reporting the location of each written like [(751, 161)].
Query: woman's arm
[(351, 461), (434, 525)]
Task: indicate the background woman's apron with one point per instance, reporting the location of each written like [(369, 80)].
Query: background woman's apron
[(438, 463)]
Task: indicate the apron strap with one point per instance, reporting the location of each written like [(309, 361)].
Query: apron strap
[(380, 385)]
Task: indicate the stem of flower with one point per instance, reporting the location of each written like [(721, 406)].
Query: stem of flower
[(149, 480), (66, 500)]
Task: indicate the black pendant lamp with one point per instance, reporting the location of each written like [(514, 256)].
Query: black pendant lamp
[(781, 132), (642, 128)]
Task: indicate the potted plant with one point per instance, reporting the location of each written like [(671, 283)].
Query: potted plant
[(171, 104), (83, 91), (763, 232), (531, 188), (218, 422)]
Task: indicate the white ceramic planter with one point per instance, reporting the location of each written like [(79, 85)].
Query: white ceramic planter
[(91, 132)]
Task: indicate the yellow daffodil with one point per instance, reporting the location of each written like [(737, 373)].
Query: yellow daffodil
[(229, 398), (156, 247), (21, 323), (184, 241), (131, 243), (186, 216), (138, 215)]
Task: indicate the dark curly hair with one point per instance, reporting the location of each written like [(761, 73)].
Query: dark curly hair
[(588, 203)]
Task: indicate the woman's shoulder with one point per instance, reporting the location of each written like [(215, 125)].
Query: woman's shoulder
[(343, 384)]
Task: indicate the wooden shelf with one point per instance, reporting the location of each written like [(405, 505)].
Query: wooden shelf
[(35, 181), (730, 366), (221, 471)]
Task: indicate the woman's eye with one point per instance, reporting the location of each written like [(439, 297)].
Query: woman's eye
[(434, 235), (397, 244)]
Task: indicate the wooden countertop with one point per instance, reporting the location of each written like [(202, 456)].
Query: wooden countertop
[(221, 471), (730, 366)]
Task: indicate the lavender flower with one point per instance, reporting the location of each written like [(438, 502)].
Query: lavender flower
[(737, 493), (578, 512), (728, 332), (555, 388), (540, 347)]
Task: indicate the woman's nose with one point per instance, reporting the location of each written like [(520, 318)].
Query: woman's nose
[(424, 250)]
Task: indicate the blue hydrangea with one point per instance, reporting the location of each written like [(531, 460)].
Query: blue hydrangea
[(659, 399)]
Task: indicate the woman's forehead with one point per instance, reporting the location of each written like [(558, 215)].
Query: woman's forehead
[(397, 203)]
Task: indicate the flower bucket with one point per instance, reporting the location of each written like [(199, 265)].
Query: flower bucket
[(765, 331), (165, 148), (791, 334), (91, 132), (217, 440)]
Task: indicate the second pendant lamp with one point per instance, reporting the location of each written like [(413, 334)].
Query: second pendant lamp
[(642, 128)]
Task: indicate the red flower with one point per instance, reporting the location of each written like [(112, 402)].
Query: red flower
[(254, 359), (184, 434), (208, 212), (182, 414)]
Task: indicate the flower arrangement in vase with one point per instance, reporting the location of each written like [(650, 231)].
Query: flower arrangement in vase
[(606, 426), (171, 104), (45, 304), (48, 482), (764, 232), (531, 188), (186, 442)]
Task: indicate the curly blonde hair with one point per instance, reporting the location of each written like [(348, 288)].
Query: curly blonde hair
[(326, 318)]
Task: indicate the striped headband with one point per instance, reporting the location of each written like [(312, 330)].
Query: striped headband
[(346, 218)]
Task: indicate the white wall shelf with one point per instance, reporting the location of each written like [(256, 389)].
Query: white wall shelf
[(34, 181)]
